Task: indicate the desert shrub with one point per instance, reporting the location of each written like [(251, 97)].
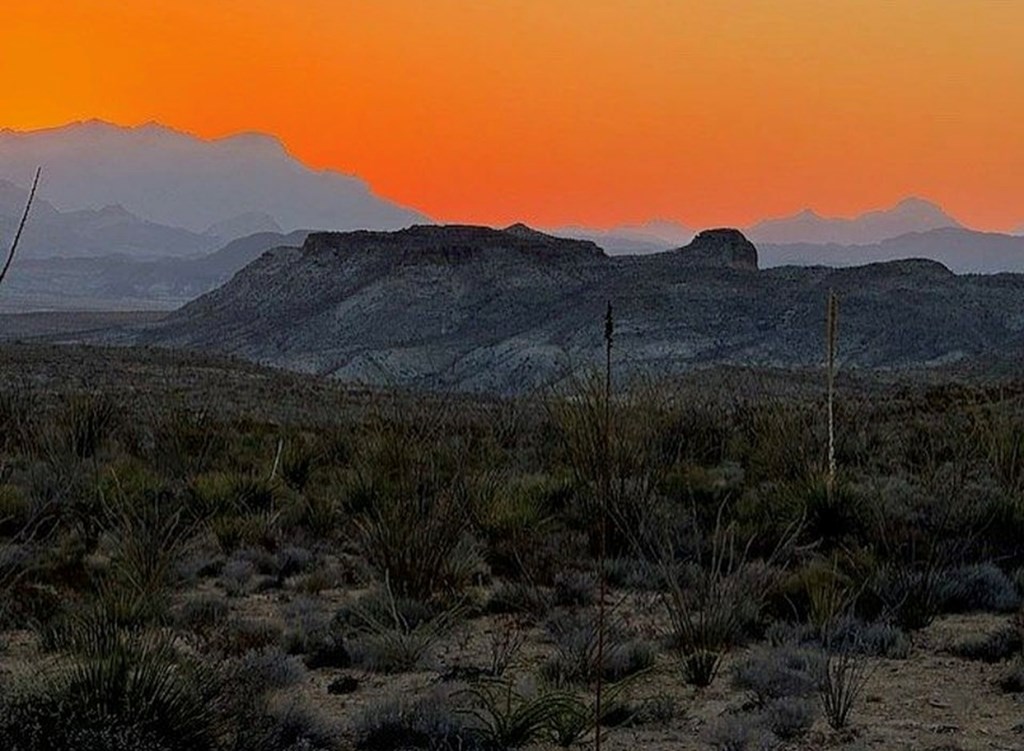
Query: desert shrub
[(281, 726), (632, 574), (575, 589), (505, 644), (627, 659), (909, 593), (833, 519), (237, 575), (520, 598), (1012, 679), (293, 560), (575, 659), (235, 493), (790, 718), (127, 689), (657, 710), (109, 611), (19, 409), (15, 510), (616, 457), (841, 677), (981, 587), (390, 639), (320, 514), (874, 639), (267, 667), (242, 635), (709, 609), (1000, 436), (412, 501), (697, 434), (505, 717), (395, 724), (200, 561), (297, 463), (573, 718), (776, 674), (311, 633), (778, 442), (306, 626), (185, 442), (257, 715), (516, 517), (995, 646), (868, 638), (740, 733), (335, 445), (86, 422), (841, 674), (328, 651), (150, 537), (203, 613), (815, 592)]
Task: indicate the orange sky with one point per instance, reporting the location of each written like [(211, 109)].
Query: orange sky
[(565, 111)]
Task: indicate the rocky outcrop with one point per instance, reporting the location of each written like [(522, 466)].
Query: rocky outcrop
[(723, 248)]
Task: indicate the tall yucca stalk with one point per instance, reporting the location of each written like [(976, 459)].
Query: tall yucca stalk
[(606, 471), (831, 336), (21, 227)]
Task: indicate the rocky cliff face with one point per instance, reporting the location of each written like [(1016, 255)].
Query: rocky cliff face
[(507, 311)]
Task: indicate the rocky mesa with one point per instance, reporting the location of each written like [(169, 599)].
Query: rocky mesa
[(506, 311)]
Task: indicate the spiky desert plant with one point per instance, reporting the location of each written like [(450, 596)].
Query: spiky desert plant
[(21, 227), (507, 718), (391, 643), (841, 676), (114, 682), (831, 337)]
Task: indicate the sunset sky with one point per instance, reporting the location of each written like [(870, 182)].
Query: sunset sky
[(558, 112)]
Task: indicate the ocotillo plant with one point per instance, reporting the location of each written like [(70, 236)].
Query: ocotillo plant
[(831, 336), (609, 333), (21, 227)]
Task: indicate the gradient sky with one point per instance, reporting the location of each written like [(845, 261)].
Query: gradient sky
[(565, 111)]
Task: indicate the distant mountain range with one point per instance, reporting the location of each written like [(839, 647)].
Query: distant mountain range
[(805, 228), (632, 239), (175, 179), (962, 251), (478, 309), (909, 215), (126, 283), (123, 283), (147, 217), (111, 230)]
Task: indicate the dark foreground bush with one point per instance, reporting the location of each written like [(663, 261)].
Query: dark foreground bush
[(398, 723), (131, 695)]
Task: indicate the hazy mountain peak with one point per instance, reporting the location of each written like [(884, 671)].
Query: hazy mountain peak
[(258, 143), (243, 225), (173, 178), (911, 214)]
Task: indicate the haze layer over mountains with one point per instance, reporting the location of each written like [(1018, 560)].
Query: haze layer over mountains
[(147, 217), (171, 178)]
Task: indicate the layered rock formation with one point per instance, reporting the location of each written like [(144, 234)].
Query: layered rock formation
[(506, 311)]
